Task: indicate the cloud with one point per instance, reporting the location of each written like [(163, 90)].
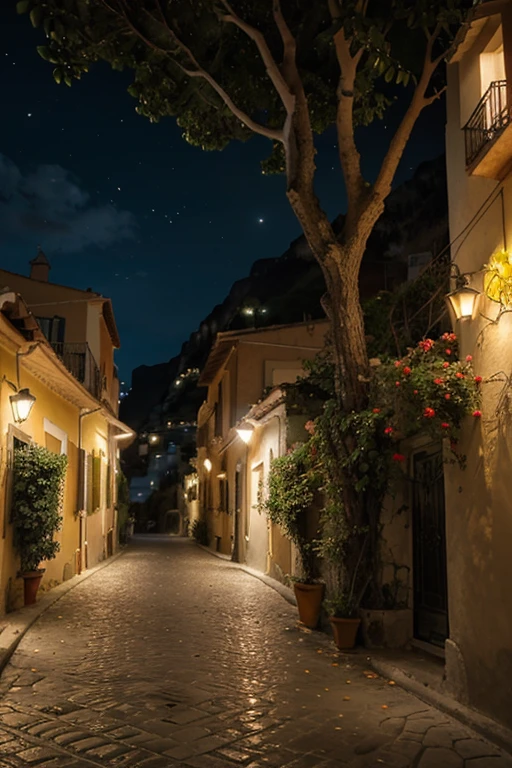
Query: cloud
[(48, 206)]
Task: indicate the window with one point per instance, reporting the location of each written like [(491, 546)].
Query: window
[(53, 328)]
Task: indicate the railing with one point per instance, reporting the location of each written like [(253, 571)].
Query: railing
[(78, 359), (490, 117)]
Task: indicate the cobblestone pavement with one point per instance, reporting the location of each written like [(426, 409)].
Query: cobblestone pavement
[(170, 657)]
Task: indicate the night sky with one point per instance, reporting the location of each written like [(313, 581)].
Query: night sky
[(128, 208)]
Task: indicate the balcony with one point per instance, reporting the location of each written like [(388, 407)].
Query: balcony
[(488, 134), (78, 359)]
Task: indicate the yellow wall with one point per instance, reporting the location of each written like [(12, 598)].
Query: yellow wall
[(47, 299), (65, 417), (478, 500)]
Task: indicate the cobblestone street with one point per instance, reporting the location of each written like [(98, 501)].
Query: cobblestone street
[(170, 657)]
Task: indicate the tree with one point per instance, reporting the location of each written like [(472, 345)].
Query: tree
[(283, 69)]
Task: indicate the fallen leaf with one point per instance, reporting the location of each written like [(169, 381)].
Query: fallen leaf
[(337, 727), (326, 689), (391, 682), (306, 671), (348, 682), (346, 698), (319, 650), (384, 706), (335, 664)]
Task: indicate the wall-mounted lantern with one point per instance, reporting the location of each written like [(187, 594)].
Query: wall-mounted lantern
[(463, 300), (22, 403), (245, 432)]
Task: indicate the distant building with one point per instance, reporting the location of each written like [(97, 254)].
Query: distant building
[(243, 366)]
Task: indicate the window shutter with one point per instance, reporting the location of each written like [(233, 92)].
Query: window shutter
[(96, 482), (109, 486), (88, 476)]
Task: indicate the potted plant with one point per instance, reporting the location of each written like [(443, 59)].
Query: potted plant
[(38, 481), (344, 619), (292, 485)]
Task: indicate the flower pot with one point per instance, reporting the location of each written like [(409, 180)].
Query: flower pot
[(345, 632), (31, 582), (309, 602)]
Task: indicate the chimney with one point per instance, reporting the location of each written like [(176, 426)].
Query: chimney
[(40, 267)]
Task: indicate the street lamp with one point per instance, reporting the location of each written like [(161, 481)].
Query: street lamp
[(21, 404)]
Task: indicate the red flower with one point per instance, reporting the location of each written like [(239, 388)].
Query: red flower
[(445, 425), (313, 450), (477, 414), (397, 383), (459, 375), (398, 363), (449, 337), (478, 379), (426, 345), (438, 381), (376, 410), (447, 396), (429, 413), (446, 365), (469, 358), (415, 391), (309, 426), (398, 457), (448, 351), (406, 370), (388, 431)]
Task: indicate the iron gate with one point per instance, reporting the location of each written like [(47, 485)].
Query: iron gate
[(429, 549)]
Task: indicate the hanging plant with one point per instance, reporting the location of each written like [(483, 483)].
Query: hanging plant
[(38, 484), (291, 488)]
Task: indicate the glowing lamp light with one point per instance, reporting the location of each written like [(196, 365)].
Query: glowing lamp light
[(21, 404), (245, 433), (463, 302), (207, 465), (153, 439)]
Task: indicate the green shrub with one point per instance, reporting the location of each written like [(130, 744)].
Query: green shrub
[(38, 485)]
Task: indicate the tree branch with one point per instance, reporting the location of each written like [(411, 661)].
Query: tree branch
[(270, 63), (289, 43), (271, 133), (349, 156)]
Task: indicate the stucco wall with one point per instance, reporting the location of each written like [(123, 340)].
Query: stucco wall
[(478, 503), (65, 417)]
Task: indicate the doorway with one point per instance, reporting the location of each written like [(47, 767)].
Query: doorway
[(429, 548)]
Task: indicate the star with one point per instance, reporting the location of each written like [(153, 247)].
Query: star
[(260, 221)]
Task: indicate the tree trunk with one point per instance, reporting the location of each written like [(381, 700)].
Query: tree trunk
[(343, 307)]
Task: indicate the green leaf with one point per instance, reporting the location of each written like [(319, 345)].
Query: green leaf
[(36, 16), (22, 6), (57, 75)]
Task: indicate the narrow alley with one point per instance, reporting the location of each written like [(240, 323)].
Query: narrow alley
[(170, 657)]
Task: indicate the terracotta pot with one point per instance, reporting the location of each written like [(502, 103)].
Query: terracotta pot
[(309, 602), (31, 582), (345, 632)]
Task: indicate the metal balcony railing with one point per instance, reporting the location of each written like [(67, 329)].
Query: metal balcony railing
[(490, 118), (78, 359)]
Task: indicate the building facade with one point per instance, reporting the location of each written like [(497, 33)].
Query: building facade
[(245, 368), (478, 501), (75, 413)]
